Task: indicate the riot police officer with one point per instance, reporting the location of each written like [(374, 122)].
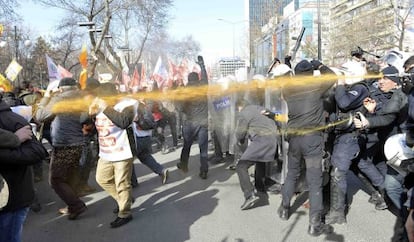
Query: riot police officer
[(350, 94), (306, 112)]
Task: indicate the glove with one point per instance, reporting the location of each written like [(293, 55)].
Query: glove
[(316, 64), (407, 86), (200, 60), (360, 121), (269, 114)]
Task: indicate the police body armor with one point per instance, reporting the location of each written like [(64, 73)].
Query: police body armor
[(343, 120)]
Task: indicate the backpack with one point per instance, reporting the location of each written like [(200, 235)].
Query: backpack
[(145, 120)]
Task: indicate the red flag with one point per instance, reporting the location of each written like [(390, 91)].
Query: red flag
[(135, 80), (143, 80)]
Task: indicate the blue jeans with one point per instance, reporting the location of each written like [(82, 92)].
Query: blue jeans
[(191, 132), (394, 186), (11, 225), (144, 154)]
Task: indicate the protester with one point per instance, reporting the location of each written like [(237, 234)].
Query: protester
[(260, 132), (67, 143), (18, 152), (196, 124), (114, 169)]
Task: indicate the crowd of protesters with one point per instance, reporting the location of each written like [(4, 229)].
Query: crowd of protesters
[(346, 116)]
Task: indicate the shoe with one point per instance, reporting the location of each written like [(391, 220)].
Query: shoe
[(63, 211), (335, 217), (375, 196), (250, 202), (182, 167), (164, 176), (116, 209), (316, 230), (275, 188), (203, 175), (381, 205), (217, 160), (283, 212), (377, 199), (75, 215), (118, 222), (165, 150)]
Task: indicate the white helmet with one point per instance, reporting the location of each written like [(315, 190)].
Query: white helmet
[(398, 153), (396, 58), (354, 72), (280, 70)]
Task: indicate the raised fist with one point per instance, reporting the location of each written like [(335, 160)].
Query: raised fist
[(200, 60)]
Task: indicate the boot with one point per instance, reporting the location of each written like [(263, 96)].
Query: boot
[(375, 195), (283, 212), (316, 227), (336, 213)]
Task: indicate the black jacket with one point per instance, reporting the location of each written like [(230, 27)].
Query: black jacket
[(196, 111), (305, 102), (15, 163)]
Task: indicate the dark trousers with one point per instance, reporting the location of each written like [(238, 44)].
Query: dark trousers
[(144, 154), (172, 122), (310, 148), (244, 177), (64, 174), (192, 132), (347, 149), (88, 161)]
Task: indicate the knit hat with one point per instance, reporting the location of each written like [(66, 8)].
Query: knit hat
[(304, 67), (391, 73), (67, 81)]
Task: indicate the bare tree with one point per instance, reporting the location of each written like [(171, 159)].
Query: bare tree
[(7, 12), (403, 9), (136, 20)]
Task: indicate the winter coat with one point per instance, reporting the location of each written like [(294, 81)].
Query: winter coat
[(15, 162), (66, 128), (260, 131), (8, 139)]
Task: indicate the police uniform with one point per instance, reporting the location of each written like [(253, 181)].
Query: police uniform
[(349, 146), (306, 114)]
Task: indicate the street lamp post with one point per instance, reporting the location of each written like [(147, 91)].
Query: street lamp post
[(233, 24)]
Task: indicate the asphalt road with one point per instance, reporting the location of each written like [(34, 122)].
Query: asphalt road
[(188, 208)]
